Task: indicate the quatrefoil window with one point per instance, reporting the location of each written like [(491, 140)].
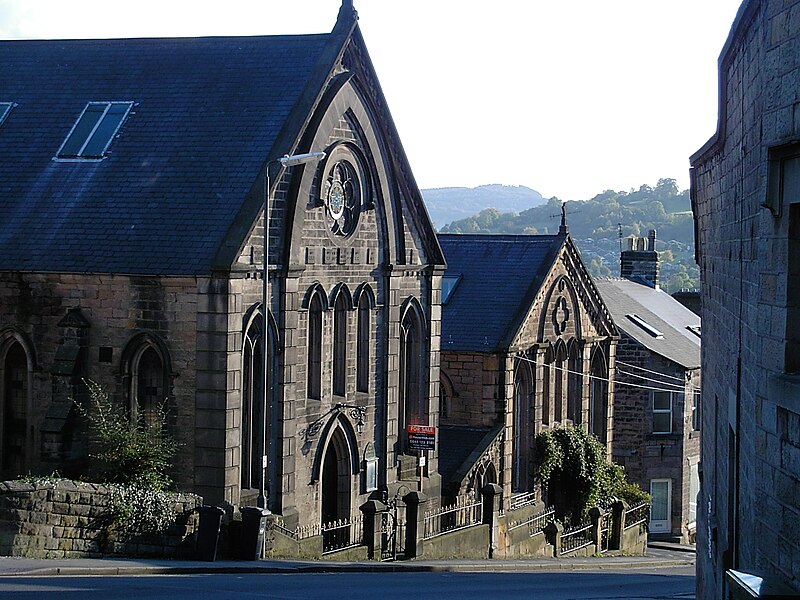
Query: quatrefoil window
[(342, 198)]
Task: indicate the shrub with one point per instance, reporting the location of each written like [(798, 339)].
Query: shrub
[(135, 452)]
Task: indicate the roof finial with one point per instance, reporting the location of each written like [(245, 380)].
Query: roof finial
[(348, 11), (563, 229)]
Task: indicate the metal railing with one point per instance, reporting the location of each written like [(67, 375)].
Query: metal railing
[(637, 515), (605, 531), (301, 532), (535, 523), (576, 538), (393, 535), (466, 512), (519, 500), (342, 534)]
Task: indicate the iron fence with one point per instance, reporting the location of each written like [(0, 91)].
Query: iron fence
[(535, 523), (465, 512), (637, 515), (519, 500), (576, 538), (342, 534), (605, 531)]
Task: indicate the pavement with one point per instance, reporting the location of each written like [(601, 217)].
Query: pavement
[(661, 554)]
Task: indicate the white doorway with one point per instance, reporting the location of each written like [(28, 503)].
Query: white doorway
[(661, 506)]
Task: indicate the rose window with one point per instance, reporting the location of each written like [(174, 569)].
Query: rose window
[(342, 199)]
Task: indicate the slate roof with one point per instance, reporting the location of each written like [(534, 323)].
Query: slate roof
[(499, 277), (460, 448), (207, 113), (659, 310)]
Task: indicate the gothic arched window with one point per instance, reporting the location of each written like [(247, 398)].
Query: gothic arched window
[(340, 344), (523, 425), (146, 368), (574, 383), (15, 396), (559, 373), (253, 400), (315, 308), (364, 335), (413, 410), (598, 403)]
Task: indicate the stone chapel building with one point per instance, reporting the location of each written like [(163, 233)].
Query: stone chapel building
[(131, 253), (527, 344)]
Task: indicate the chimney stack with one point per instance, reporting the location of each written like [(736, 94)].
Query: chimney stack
[(639, 260)]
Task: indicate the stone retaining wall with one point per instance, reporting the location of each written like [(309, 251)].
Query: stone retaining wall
[(66, 519)]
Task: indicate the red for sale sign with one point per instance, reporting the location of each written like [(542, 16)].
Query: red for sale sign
[(421, 437)]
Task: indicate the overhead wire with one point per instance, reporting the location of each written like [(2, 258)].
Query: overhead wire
[(607, 380), (624, 364)]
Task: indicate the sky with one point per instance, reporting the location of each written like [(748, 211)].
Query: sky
[(568, 97)]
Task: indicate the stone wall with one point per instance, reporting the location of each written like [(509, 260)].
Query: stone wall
[(744, 197), (111, 314), (73, 520), (475, 380)]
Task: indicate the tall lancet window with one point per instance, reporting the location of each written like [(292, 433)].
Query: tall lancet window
[(413, 408), (253, 404)]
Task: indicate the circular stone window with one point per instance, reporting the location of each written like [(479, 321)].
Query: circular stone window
[(341, 195)]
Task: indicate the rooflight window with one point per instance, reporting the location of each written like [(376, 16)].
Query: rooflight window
[(5, 108), (96, 127), (646, 326), (449, 284)]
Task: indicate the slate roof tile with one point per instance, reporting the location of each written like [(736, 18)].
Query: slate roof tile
[(206, 113), (498, 274), (659, 310)]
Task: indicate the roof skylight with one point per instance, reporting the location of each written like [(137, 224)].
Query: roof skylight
[(449, 283), (5, 108), (94, 130), (646, 326)]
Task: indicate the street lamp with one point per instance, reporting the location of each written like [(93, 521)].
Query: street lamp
[(286, 162)]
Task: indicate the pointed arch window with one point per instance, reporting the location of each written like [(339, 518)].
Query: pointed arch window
[(340, 310), (147, 372), (546, 372), (363, 353), (314, 384), (253, 404), (598, 403), (574, 383), (150, 392), (413, 409), (15, 400), (523, 425), (558, 382)]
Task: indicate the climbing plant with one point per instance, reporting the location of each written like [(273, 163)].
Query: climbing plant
[(572, 466)]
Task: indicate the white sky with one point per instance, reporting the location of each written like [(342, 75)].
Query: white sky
[(569, 97)]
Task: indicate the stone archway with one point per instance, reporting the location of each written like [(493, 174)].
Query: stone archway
[(336, 483)]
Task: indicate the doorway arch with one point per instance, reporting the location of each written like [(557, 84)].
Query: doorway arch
[(336, 483)]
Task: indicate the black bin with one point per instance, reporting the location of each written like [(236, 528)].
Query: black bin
[(208, 532), (254, 524)]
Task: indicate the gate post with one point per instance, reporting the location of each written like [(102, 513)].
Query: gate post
[(415, 523), (617, 524), (596, 515), (492, 494), (373, 511), (553, 535)]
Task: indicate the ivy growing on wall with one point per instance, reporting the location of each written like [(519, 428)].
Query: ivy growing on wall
[(572, 467)]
